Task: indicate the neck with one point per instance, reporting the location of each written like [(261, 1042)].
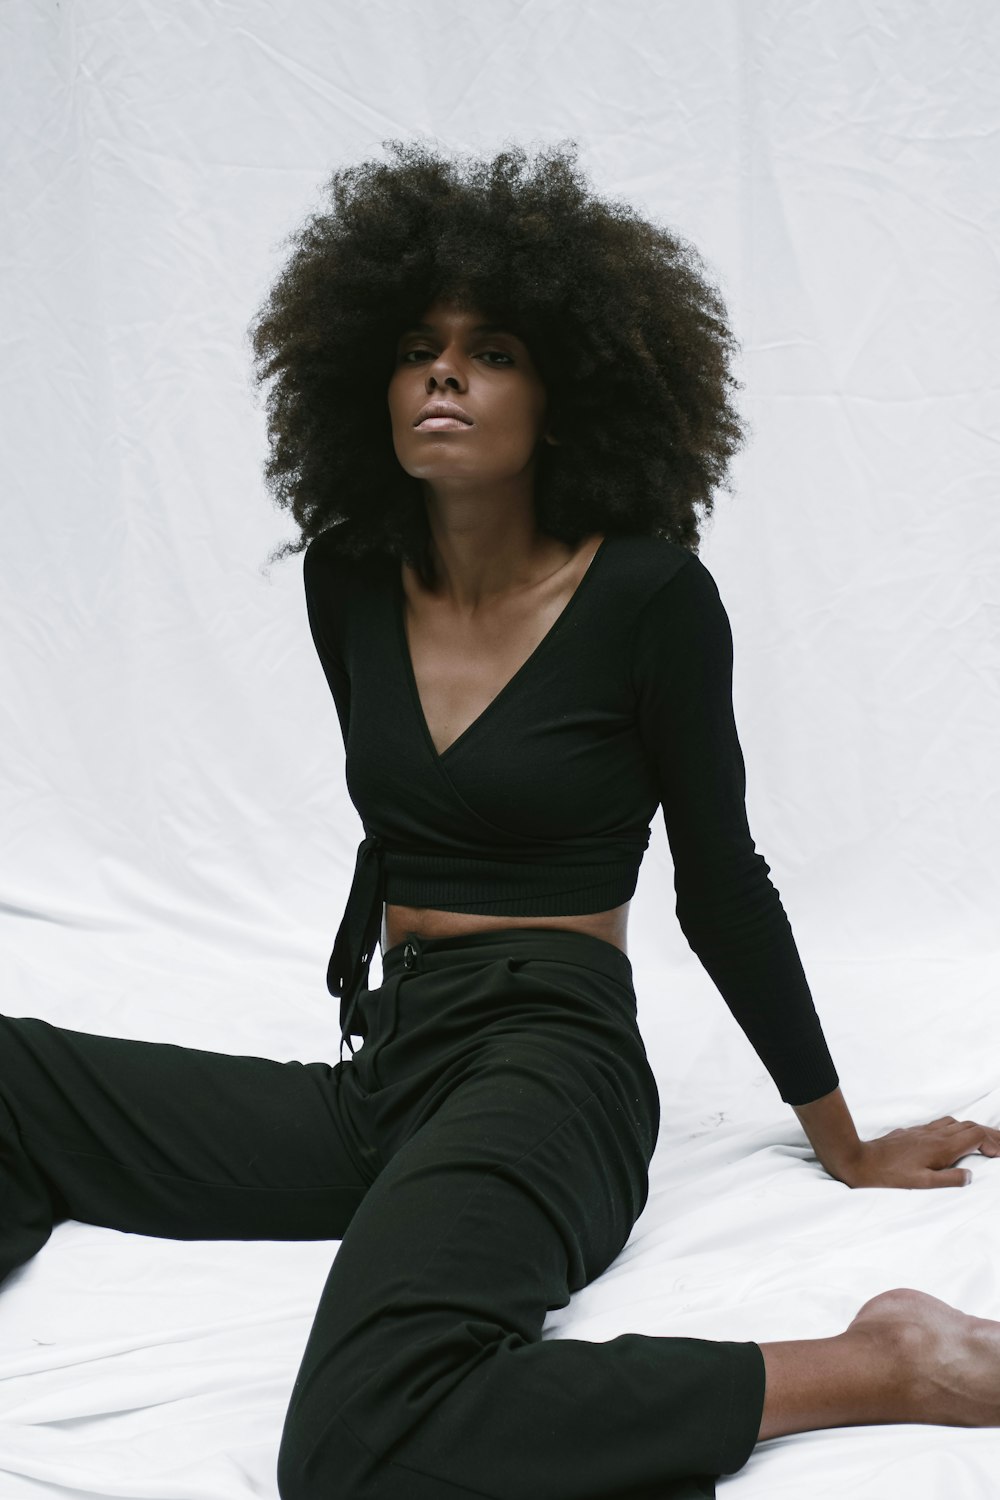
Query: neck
[(482, 552)]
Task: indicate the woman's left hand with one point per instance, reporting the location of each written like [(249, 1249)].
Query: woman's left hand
[(921, 1156)]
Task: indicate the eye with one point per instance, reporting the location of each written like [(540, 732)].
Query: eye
[(492, 353)]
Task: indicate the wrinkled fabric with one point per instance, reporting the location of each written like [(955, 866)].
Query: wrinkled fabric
[(484, 1157)]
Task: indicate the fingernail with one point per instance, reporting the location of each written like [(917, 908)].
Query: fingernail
[(968, 1179)]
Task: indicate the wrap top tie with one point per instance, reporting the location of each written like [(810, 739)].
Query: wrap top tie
[(358, 933)]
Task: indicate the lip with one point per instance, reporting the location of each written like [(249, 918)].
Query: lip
[(441, 424), (440, 408)]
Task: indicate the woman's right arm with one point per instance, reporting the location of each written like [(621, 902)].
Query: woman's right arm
[(324, 598)]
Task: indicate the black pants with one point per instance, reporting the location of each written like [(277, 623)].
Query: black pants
[(484, 1155)]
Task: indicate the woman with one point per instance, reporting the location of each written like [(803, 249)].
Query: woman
[(526, 658)]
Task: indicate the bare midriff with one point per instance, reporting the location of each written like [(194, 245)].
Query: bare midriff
[(399, 922)]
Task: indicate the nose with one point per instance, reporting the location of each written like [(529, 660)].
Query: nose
[(443, 370), (447, 378)]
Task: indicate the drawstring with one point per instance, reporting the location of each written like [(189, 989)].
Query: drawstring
[(354, 945)]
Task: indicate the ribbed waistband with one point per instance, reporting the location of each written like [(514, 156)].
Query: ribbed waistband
[(419, 953), (508, 888), (358, 934)]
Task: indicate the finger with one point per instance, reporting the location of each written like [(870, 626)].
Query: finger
[(958, 1146), (935, 1150), (989, 1142), (953, 1177), (966, 1138)]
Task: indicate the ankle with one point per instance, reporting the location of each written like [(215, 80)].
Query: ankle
[(859, 1377)]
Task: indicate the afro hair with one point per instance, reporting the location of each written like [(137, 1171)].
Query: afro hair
[(625, 326)]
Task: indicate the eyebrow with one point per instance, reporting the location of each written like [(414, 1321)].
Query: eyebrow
[(479, 328)]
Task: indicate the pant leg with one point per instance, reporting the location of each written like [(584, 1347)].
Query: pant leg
[(425, 1375), (172, 1141)]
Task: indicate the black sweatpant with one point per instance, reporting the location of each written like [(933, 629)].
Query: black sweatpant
[(482, 1156)]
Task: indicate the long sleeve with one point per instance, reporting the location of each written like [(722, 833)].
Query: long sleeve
[(728, 909), (322, 600), (357, 935)]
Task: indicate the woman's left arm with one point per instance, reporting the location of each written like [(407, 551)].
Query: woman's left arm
[(727, 906), (922, 1156)]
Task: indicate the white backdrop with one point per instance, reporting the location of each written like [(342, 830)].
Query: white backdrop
[(177, 841)]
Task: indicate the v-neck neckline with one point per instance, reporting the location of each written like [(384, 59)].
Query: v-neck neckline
[(399, 603)]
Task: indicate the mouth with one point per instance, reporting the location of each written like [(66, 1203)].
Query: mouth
[(441, 424)]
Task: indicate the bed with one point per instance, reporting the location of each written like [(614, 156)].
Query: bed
[(154, 1369)]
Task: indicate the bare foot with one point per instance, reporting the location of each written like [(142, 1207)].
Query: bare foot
[(949, 1359)]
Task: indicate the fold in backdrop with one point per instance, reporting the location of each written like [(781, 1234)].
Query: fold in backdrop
[(177, 841)]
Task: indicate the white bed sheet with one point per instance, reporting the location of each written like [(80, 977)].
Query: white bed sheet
[(153, 1369), (176, 841)]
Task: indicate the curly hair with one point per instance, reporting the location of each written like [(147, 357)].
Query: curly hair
[(628, 332)]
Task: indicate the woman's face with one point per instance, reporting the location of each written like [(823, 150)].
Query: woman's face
[(488, 373)]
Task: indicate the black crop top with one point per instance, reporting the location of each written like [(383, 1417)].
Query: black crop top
[(543, 805)]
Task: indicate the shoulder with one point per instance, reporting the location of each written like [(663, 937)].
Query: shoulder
[(344, 595), (680, 626), (330, 571), (659, 576)]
